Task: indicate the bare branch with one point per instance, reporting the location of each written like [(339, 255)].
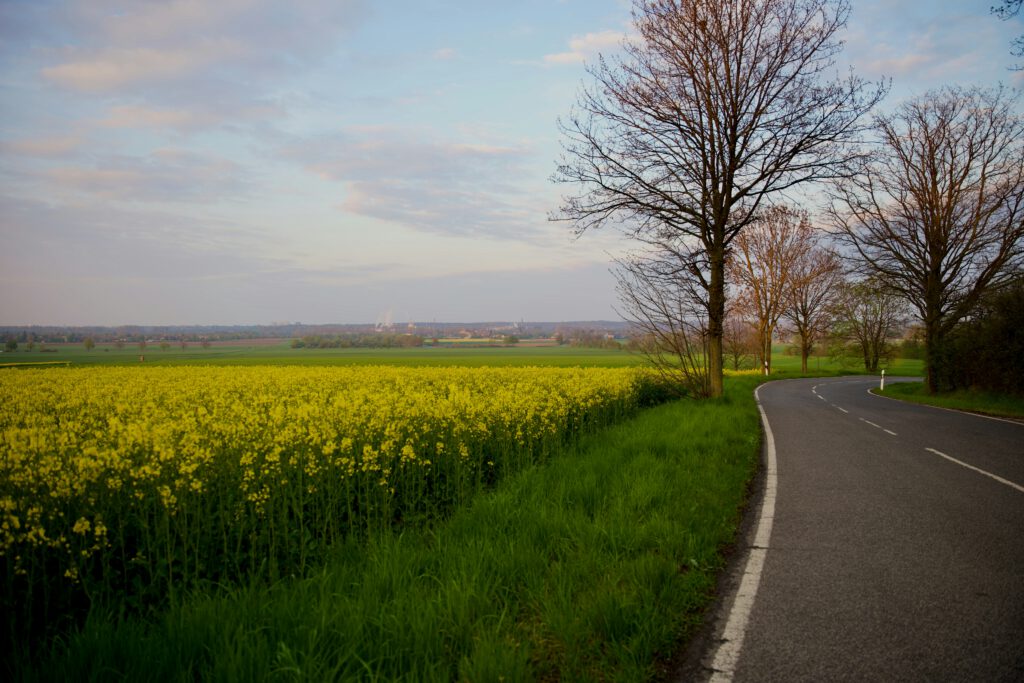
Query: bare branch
[(937, 213), (714, 110), (761, 265), (669, 318)]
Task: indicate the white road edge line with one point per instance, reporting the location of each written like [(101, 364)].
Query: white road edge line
[(728, 653), (889, 431), (978, 470), (948, 410)]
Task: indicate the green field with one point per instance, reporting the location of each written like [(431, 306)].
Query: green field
[(280, 353)]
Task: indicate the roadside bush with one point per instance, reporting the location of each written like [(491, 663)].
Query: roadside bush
[(987, 350)]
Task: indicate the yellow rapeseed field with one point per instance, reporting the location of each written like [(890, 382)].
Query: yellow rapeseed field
[(126, 478)]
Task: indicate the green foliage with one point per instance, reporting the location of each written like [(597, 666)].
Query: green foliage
[(912, 348), (11, 344), (986, 351)]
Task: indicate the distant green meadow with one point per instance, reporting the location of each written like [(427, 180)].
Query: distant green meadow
[(281, 353)]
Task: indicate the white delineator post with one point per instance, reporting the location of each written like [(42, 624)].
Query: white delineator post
[(881, 387)]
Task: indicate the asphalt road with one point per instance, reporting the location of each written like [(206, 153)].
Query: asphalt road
[(886, 561)]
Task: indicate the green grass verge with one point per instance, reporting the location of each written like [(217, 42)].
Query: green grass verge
[(986, 403), (593, 566)]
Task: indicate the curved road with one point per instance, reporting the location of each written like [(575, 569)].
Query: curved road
[(895, 550)]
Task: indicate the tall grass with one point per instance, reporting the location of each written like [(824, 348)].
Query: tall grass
[(592, 566)]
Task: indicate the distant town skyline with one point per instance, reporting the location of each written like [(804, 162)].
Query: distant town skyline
[(330, 161)]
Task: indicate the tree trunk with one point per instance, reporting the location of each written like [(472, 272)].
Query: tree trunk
[(805, 351), (936, 376), (866, 348), (716, 320)]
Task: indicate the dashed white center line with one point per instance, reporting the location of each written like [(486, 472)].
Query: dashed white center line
[(820, 396), (843, 409), (978, 470), (876, 426)]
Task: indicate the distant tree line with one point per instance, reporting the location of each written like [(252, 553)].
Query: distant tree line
[(358, 341), (587, 339)]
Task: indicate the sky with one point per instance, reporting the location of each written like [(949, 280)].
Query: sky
[(338, 161)]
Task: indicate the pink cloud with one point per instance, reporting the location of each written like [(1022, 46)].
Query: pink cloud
[(586, 46), (147, 117), (42, 147), (122, 43), (442, 187), (165, 175), (113, 68)]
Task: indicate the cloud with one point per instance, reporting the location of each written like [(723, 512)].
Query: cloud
[(923, 46), (48, 147), (446, 53), (901, 64), (120, 45), (582, 48), (442, 187), (165, 175), (112, 69), (150, 117), (81, 238)]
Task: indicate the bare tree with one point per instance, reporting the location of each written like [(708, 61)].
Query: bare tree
[(937, 214), (715, 107), (739, 338), (669, 317), (1007, 10), (760, 266), (867, 314), (815, 280)]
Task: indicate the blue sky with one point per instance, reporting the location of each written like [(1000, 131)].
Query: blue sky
[(251, 161)]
